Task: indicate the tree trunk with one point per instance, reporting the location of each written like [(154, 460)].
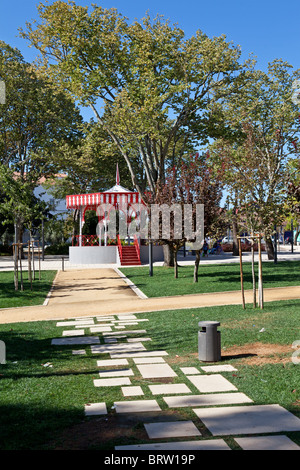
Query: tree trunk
[(296, 235), (197, 261), (15, 255), (168, 255), (269, 247), (235, 245), (20, 239), (253, 273), (175, 265), (260, 280), (241, 272)]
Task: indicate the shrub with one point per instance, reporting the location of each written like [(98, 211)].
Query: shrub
[(227, 247), (6, 249), (61, 249)]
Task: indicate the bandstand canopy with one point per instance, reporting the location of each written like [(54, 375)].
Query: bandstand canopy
[(116, 196)]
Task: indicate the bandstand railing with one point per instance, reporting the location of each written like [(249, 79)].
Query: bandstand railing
[(85, 240)]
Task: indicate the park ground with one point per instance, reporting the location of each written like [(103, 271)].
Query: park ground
[(44, 388)]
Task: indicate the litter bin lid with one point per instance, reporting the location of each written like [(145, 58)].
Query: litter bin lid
[(208, 323)]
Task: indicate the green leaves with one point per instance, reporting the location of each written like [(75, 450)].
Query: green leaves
[(147, 83), (255, 158)]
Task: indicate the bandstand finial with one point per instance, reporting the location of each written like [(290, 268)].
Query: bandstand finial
[(117, 176)]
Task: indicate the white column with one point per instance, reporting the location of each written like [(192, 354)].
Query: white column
[(80, 227)]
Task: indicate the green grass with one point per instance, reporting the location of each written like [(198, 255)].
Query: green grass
[(9, 297), (37, 403), (212, 278)]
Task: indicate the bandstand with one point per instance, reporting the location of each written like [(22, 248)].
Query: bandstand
[(107, 246)]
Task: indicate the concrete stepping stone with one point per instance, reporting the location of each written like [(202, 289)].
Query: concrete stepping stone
[(126, 317), (156, 370), (116, 336), (79, 340), (139, 354), (74, 322), (253, 419), (116, 373), (112, 362), (223, 368), (127, 324), (110, 340), (79, 352), (211, 444), (136, 320), (132, 391), (190, 370), (211, 399), (171, 429), (100, 329), (112, 382), (135, 340), (127, 332), (92, 409), (83, 325), (120, 327), (105, 318), (211, 383), (137, 406), (169, 389), (118, 348), (73, 333), (148, 360), (266, 443)]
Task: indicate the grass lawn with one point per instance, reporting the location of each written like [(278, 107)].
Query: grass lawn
[(9, 297), (212, 278), (38, 403)]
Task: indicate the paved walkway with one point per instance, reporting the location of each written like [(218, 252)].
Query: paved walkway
[(80, 290)]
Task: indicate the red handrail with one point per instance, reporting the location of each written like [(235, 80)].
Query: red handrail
[(137, 247), (119, 247)]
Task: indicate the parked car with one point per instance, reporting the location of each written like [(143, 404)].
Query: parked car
[(227, 240)]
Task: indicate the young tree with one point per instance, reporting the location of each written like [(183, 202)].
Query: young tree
[(255, 158), (191, 184)]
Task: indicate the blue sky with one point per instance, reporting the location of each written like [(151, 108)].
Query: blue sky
[(268, 29), (265, 28)]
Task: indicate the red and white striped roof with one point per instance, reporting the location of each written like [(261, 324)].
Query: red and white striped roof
[(117, 195)]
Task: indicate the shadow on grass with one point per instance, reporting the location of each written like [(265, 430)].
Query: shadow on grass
[(26, 427)]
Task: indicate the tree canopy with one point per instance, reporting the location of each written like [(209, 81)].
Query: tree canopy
[(148, 85)]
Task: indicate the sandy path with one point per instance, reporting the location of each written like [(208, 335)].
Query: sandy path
[(102, 291)]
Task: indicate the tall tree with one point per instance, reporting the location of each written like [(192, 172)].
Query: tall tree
[(147, 84), (35, 121)]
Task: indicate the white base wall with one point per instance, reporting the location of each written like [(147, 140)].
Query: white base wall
[(108, 254), (93, 254), (157, 254)]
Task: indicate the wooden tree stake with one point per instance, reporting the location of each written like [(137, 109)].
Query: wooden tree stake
[(260, 282), (241, 272)]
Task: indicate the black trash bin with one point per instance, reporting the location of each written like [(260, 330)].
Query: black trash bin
[(209, 341)]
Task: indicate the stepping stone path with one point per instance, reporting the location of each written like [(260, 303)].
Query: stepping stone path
[(213, 404)]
